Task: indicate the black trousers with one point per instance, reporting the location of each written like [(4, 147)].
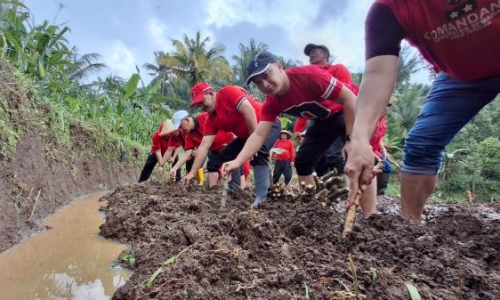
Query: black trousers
[(149, 166), (332, 159), (382, 182), (282, 167)]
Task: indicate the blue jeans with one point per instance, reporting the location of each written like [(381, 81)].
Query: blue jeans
[(450, 105)]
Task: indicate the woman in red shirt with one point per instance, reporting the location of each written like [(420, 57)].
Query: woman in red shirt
[(284, 159)]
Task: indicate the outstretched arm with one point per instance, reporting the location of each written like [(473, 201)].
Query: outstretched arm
[(248, 112), (375, 92), (252, 145), (201, 154)]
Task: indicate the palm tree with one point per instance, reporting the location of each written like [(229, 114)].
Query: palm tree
[(192, 61), (405, 108), (357, 77), (161, 71), (410, 62), (242, 61), (84, 65), (288, 63)]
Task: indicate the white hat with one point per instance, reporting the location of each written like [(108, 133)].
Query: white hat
[(178, 116)]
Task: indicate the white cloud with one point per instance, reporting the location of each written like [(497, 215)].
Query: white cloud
[(157, 31), (292, 14), (120, 59)]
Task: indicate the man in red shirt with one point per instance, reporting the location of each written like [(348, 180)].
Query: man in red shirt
[(158, 150), (461, 39), (308, 92), (232, 109), (193, 128), (285, 159), (332, 159), (319, 55)]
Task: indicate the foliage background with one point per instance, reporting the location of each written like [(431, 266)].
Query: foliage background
[(126, 111)]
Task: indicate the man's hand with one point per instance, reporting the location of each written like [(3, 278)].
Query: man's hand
[(172, 174), (186, 181), (160, 173), (228, 168), (359, 166)]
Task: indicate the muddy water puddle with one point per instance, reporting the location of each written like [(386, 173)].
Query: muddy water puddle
[(69, 261)]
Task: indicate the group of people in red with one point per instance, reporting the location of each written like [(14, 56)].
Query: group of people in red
[(345, 124)]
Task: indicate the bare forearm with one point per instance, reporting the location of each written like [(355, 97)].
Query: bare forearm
[(349, 116), (159, 157), (183, 159), (254, 142), (201, 154), (375, 93)]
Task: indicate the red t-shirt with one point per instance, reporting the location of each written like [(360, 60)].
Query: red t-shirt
[(461, 39), (246, 169), (311, 95), (300, 125), (226, 116), (378, 134), (340, 72), (288, 146), (175, 141), (193, 138), (159, 142)]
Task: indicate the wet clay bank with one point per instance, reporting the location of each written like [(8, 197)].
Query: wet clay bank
[(68, 261), (294, 250)]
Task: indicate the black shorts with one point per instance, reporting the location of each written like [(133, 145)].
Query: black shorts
[(319, 136)]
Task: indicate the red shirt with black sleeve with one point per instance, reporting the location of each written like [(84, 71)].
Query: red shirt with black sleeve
[(460, 38), (226, 116), (289, 153), (194, 137), (311, 95)]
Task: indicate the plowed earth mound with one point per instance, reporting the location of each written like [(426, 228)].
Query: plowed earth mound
[(294, 250)]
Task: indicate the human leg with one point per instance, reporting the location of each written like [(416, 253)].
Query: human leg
[(319, 136), (260, 163), (287, 171), (450, 105), (368, 201), (278, 170), (148, 167)]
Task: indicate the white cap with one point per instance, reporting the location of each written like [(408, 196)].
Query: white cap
[(178, 116)]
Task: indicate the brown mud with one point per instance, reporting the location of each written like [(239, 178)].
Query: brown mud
[(41, 174), (294, 250)]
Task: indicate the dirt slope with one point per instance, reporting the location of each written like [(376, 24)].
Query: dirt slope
[(294, 250), (38, 168)]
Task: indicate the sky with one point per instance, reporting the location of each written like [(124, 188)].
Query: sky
[(126, 33)]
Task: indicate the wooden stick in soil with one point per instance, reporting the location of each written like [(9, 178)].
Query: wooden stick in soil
[(351, 214), (225, 186), (34, 205)]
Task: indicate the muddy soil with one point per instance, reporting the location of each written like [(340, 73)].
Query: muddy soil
[(41, 175), (294, 250)]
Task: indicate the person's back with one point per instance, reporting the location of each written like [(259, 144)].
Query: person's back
[(226, 116), (460, 38)]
